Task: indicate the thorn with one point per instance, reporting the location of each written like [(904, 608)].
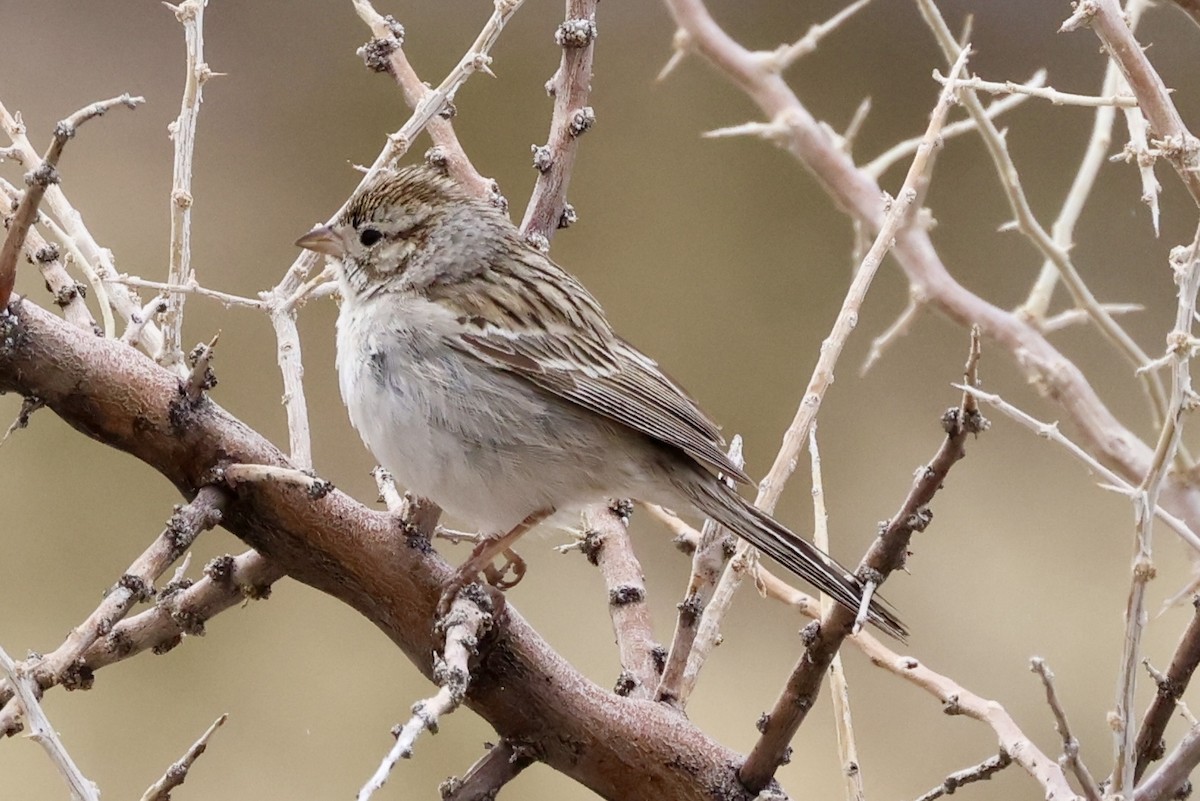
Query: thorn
[(682, 44)]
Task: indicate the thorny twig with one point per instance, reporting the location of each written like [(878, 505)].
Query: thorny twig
[(190, 14), (177, 773), (1171, 686), (1070, 744), (42, 732), (66, 664), (977, 773), (886, 554), (547, 209), (713, 548), (500, 765), (1185, 264), (39, 179), (469, 619)]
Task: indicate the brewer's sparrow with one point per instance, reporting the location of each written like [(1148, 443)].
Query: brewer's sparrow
[(487, 379)]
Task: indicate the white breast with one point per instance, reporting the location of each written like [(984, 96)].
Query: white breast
[(480, 443)]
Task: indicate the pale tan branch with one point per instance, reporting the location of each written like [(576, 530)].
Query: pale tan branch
[(714, 546), (468, 621), (177, 773), (190, 14), (42, 732), (1070, 745), (1056, 97)]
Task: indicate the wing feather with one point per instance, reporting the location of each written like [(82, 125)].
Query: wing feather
[(540, 324), (633, 391)]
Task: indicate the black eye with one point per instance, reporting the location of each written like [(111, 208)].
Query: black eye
[(369, 236)]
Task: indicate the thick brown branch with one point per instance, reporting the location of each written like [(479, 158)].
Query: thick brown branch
[(618, 747)]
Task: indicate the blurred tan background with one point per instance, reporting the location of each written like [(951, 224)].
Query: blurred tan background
[(720, 258)]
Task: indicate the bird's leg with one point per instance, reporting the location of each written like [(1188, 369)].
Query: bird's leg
[(480, 561)]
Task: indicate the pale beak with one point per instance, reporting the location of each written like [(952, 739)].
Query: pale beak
[(323, 240)]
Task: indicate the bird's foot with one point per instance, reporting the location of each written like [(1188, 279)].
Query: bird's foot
[(502, 577), (496, 576)]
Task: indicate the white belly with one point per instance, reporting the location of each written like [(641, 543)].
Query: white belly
[(478, 443)]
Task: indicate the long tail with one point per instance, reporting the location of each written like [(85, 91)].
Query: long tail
[(801, 557)]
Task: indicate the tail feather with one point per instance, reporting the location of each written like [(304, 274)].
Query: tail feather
[(793, 552)]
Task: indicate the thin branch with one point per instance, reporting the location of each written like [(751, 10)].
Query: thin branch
[(839, 690), (981, 772), (606, 544), (714, 546), (547, 209), (75, 256), (95, 261), (291, 368), (1174, 771), (1070, 317), (385, 53), (1139, 152), (1070, 744), (1037, 304), (1056, 97), (500, 765), (1185, 263), (1171, 686), (899, 328), (193, 288), (135, 585), (190, 14), (177, 773), (181, 608), (787, 55), (69, 295), (1051, 432), (43, 175), (771, 487), (877, 166), (885, 555), (1028, 224), (42, 732), (741, 564), (1176, 142), (469, 619)]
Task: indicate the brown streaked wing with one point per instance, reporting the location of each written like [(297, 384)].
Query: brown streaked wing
[(635, 393)]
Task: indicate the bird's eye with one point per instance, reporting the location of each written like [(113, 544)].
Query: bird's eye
[(369, 236)]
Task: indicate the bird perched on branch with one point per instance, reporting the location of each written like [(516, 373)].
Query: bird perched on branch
[(487, 379)]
